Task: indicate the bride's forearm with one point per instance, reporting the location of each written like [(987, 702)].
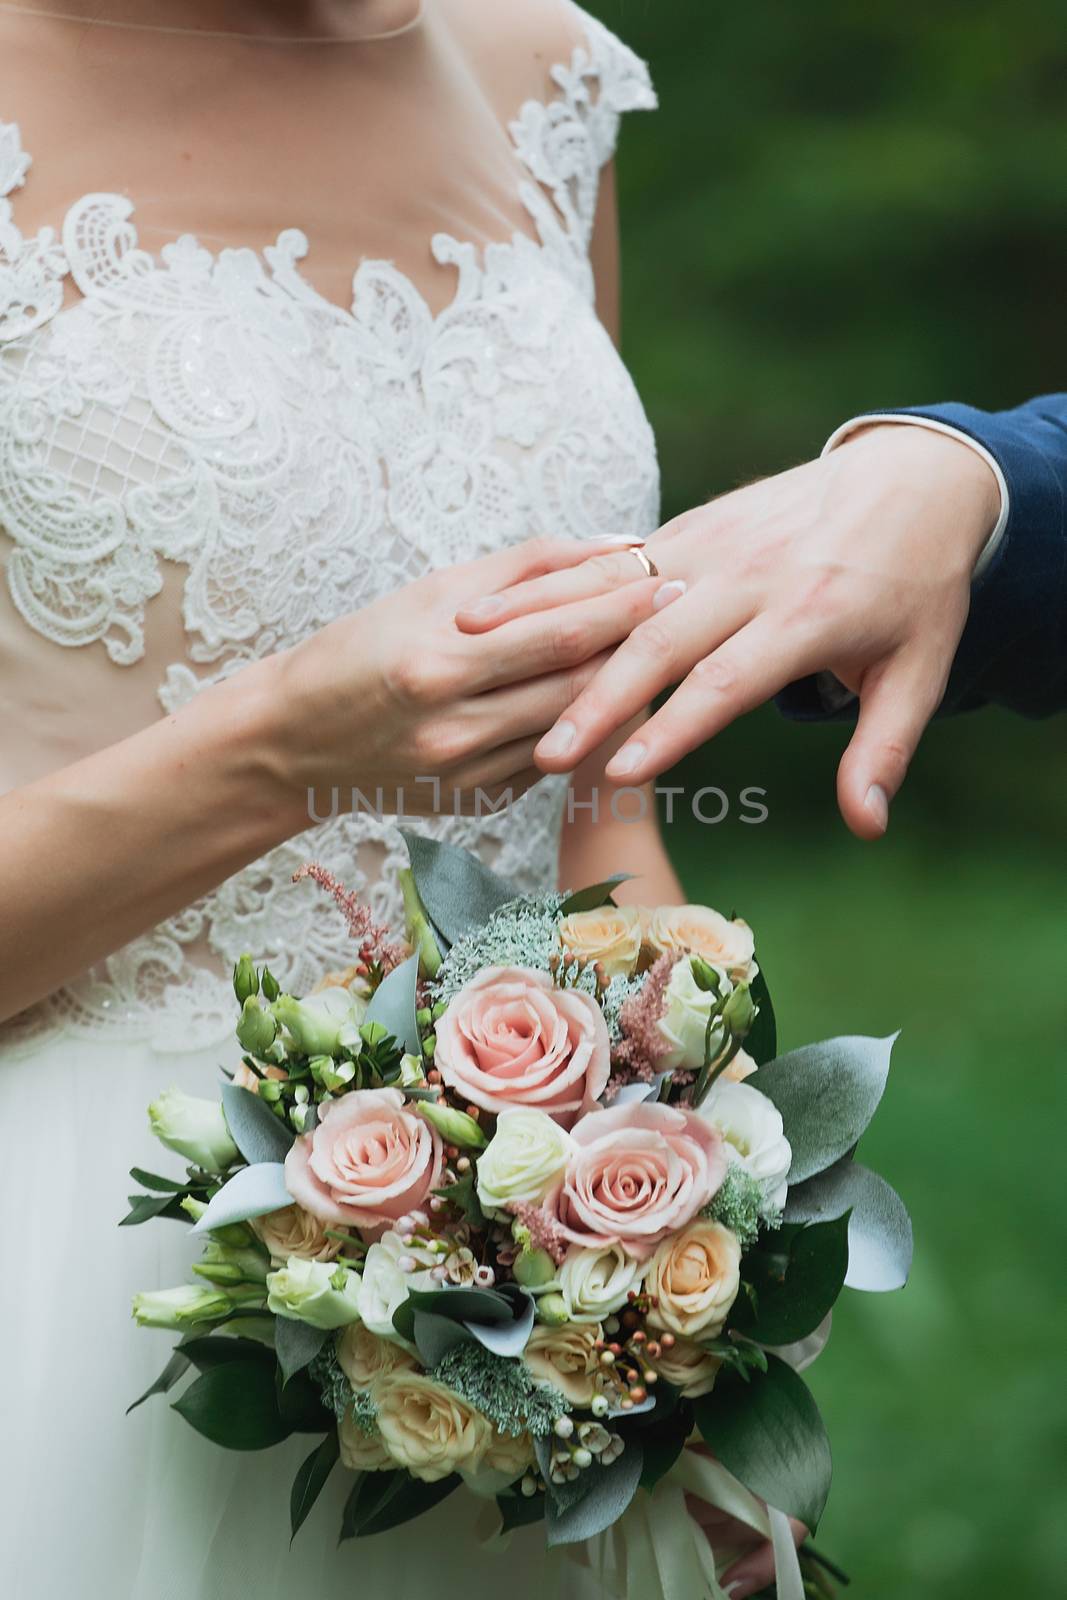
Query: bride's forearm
[(610, 830), (97, 852)]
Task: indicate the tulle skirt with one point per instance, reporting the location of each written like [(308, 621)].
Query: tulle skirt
[(97, 1505)]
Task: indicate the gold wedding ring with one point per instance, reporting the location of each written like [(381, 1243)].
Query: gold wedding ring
[(651, 569)]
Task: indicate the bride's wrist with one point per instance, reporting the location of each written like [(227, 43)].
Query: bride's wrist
[(247, 727)]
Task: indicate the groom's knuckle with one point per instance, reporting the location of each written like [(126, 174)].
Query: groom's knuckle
[(568, 642), (653, 643), (718, 673)]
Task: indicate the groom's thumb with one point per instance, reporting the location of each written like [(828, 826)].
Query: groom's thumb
[(897, 700)]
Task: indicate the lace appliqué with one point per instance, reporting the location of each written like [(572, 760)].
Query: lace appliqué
[(192, 405)]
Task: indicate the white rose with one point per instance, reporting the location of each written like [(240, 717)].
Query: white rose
[(385, 1285), (524, 1159), (610, 935), (699, 931), (315, 1292), (430, 1430), (194, 1127), (684, 1022), (596, 1281), (755, 1139)]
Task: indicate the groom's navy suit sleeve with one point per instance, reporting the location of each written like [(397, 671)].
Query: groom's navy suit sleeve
[(1014, 647)]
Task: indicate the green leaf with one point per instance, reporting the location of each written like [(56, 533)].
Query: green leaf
[(152, 1180), (300, 1404), (392, 1005), (460, 1305), (608, 1492), (520, 1510), (769, 1434), (175, 1368), (383, 1500), (218, 1350), (796, 1275), (255, 1130), (879, 1229), (143, 1207), (311, 1480), (464, 1194), (597, 894), (297, 1344), (235, 1405), (435, 1336), (762, 1040), (251, 1192), (827, 1094), (458, 891)]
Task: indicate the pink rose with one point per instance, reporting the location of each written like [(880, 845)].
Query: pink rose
[(368, 1161), (637, 1174), (511, 1039)]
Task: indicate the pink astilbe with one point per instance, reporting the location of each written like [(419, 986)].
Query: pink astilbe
[(377, 947), (635, 1059), (545, 1232)]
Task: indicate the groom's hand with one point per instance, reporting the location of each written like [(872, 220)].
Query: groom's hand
[(858, 564)]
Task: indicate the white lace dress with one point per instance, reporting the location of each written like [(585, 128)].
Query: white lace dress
[(207, 432)]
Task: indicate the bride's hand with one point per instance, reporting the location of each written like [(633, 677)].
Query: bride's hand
[(859, 564), (396, 692)]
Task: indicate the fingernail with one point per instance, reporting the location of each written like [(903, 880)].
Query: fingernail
[(668, 592), (484, 608), (877, 804), (628, 759), (558, 740)]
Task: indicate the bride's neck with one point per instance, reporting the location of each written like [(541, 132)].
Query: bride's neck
[(277, 17)]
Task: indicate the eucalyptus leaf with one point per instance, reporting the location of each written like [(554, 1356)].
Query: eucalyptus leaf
[(311, 1479), (256, 1131), (392, 1005), (175, 1368), (769, 1434), (506, 1339), (879, 1228), (234, 1405), (609, 1491), (252, 1192), (297, 1344), (796, 1275), (597, 894), (435, 1336), (458, 891), (637, 1093), (827, 1094), (460, 1305)]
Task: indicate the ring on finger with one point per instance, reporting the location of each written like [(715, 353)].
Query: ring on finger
[(651, 569)]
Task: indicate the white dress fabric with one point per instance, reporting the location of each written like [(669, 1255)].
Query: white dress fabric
[(206, 431)]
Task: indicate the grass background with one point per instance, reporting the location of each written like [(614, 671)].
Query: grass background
[(840, 207)]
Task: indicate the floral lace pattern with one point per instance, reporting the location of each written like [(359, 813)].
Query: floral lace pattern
[(189, 403)]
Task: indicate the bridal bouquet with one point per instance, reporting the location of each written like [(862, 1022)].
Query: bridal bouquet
[(525, 1201)]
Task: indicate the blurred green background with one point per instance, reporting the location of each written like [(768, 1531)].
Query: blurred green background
[(842, 206)]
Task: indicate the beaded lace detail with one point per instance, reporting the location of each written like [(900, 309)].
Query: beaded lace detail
[(189, 405)]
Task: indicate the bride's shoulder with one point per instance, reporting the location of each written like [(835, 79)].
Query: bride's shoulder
[(519, 50)]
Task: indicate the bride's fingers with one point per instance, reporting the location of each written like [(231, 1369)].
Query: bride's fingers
[(656, 654), (551, 642), (596, 576), (756, 1571), (749, 668), (521, 563)]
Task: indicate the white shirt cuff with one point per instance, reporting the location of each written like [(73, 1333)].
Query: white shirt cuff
[(989, 549)]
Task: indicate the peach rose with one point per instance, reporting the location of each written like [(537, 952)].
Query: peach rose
[(361, 1451), (637, 1173), (367, 1162), (694, 1277), (511, 1454), (511, 1039), (610, 935), (699, 931), (292, 1231), (689, 1367), (364, 1358), (430, 1430), (566, 1357)]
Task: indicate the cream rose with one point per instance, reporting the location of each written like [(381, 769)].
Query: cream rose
[(368, 1161), (429, 1429), (699, 931), (694, 1277), (509, 1454), (610, 935), (595, 1282), (684, 1023), (689, 1367), (525, 1157), (361, 1451), (365, 1357), (755, 1136), (639, 1172), (511, 1039), (566, 1357), (292, 1231)]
